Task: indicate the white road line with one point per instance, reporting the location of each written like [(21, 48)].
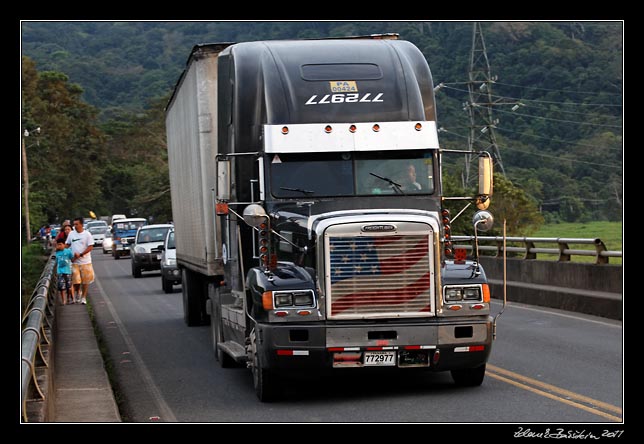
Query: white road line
[(514, 305), (165, 412)]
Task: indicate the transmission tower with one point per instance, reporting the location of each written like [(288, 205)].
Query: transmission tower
[(480, 105)]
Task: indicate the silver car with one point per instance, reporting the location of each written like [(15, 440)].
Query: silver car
[(98, 233), (170, 273)]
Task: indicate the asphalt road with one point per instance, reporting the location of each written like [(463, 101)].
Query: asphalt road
[(547, 366)]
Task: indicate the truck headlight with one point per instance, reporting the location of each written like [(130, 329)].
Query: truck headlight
[(303, 298), (469, 293), (170, 262), (283, 299), (472, 293), (453, 294)]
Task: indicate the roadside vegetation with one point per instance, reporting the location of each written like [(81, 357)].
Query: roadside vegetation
[(611, 233), (33, 261)]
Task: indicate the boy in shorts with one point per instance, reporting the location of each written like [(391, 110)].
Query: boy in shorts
[(64, 258)]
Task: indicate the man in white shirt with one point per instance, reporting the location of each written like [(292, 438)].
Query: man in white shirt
[(82, 244)]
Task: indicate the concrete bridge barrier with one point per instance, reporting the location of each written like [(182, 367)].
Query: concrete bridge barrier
[(581, 287)]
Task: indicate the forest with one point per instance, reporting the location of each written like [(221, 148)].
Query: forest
[(98, 90)]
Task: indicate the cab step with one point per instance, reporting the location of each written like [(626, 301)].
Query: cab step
[(234, 350)]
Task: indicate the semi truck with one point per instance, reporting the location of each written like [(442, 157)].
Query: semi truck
[(311, 226)]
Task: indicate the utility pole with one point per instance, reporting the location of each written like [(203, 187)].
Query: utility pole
[(25, 181), (480, 105)]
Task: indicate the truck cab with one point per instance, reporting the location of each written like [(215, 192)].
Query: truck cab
[(331, 242)]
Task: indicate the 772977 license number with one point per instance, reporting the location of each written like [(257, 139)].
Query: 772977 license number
[(379, 358)]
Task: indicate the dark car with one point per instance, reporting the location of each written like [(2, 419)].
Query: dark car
[(170, 273)]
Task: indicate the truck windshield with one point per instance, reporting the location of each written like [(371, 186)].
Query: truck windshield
[(127, 225), (351, 174)]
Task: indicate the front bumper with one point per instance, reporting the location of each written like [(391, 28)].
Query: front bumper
[(437, 344), (147, 261), (121, 247), (171, 273)]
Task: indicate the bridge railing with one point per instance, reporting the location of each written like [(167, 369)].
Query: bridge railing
[(35, 339), (529, 249)]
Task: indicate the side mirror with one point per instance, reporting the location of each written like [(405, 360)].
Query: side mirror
[(483, 220), (486, 187), (254, 215), (223, 180), (485, 182)]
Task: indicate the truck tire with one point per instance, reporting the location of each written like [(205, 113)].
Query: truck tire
[(116, 255), (264, 381), (194, 304), (469, 377), (217, 333)]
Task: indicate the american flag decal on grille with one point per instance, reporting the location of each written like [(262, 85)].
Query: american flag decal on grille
[(373, 275)]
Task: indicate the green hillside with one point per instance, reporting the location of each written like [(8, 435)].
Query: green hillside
[(561, 144)]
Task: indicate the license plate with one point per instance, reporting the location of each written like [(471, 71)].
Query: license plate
[(379, 358)]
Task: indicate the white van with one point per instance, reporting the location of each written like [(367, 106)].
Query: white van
[(116, 217)]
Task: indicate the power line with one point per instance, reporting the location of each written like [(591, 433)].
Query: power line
[(563, 111), (561, 120), (558, 90), (549, 156), (568, 142), (446, 85)]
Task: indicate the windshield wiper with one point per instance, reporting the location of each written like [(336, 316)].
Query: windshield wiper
[(299, 190), (393, 184)]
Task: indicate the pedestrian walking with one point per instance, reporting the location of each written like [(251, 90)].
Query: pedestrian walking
[(82, 243), (64, 230), (64, 258)]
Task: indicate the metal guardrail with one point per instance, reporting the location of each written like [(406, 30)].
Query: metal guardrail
[(35, 321), (530, 251)]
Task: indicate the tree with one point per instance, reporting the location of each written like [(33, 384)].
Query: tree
[(508, 202), (516, 207), (64, 163)]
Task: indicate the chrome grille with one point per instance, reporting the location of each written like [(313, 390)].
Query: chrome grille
[(376, 276)]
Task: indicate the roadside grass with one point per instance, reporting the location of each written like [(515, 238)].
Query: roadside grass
[(611, 233), (33, 261)]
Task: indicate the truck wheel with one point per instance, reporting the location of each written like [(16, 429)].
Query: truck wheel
[(469, 377), (136, 271), (192, 295), (264, 381), (116, 255), (217, 333)]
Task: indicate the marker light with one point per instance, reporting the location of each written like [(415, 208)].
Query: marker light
[(267, 300), (328, 129), (486, 293), (418, 127), (285, 130), (376, 127), (352, 128)]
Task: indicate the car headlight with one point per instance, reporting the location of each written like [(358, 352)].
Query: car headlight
[(170, 261), (139, 250)]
